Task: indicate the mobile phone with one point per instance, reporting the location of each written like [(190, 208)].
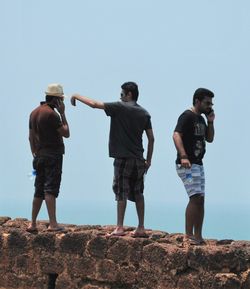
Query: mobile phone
[(209, 111)]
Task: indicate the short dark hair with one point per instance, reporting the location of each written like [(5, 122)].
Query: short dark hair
[(131, 87), (201, 93), (49, 98)]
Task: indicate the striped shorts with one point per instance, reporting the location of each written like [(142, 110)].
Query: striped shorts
[(193, 179), (128, 182)]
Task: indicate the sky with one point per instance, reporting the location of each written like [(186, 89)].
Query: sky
[(169, 48)]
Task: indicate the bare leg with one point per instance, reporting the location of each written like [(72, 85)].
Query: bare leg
[(195, 216), (140, 209), (121, 208), (189, 219), (36, 206), (199, 220), (51, 207)]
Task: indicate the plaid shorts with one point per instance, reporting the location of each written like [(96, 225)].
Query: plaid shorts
[(48, 175), (128, 178), (193, 179)]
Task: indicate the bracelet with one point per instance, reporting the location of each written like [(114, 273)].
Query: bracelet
[(184, 157)]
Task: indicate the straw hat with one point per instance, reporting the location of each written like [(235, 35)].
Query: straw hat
[(55, 89)]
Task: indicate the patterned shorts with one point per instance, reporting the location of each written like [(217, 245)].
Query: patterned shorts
[(48, 175), (193, 179), (128, 180)]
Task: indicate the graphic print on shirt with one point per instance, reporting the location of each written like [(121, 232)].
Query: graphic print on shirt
[(199, 132)]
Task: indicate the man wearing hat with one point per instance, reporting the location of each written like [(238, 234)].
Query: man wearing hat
[(46, 131)]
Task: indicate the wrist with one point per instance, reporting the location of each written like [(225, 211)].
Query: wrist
[(210, 122), (184, 157)]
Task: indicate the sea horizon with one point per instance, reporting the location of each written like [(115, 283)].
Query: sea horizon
[(218, 224)]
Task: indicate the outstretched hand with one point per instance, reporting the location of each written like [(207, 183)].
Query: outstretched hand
[(74, 98)]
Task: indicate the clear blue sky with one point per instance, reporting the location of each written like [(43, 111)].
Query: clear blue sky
[(169, 48)]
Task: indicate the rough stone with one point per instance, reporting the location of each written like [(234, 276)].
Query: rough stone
[(84, 257)]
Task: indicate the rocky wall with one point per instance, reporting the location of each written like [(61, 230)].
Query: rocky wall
[(84, 257)]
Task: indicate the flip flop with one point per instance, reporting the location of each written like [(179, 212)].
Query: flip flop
[(32, 230), (58, 229), (135, 234), (196, 242), (116, 234)]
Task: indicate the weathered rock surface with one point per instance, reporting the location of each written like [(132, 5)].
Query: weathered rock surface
[(85, 257)]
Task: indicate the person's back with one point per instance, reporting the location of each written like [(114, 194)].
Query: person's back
[(46, 132), (128, 122), (45, 123)]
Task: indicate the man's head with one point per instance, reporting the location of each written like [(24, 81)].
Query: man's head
[(129, 91), (202, 100), (54, 93)]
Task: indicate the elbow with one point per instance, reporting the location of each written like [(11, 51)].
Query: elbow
[(93, 104), (175, 136), (67, 134), (210, 140)]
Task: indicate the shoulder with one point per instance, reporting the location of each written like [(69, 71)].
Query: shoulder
[(49, 113), (187, 115), (112, 104), (142, 109), (112, 108), (35, 111)]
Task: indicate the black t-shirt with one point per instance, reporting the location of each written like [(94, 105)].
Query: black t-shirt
[(193, 129), (128, 122)]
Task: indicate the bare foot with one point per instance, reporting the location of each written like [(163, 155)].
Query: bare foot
[(194, 241), (32, 229), (55, 229), (119, 231), (139, 233)]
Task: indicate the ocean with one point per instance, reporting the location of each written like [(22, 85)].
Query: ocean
[(228, 222)]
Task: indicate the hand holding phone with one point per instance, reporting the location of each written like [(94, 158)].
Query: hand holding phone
[(210, 115), (60, 106)]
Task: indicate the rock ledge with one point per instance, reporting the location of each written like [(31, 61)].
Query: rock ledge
[(85, 257)]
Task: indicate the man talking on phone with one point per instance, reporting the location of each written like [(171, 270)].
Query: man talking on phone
[(46, 131), (190, 136)]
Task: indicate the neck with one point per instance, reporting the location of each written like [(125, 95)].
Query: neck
[(195, 110)]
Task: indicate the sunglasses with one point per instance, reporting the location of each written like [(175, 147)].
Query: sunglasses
[(208, 103)]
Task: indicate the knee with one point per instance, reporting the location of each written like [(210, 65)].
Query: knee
[(197, 199), (49, 196), (139, 198)]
